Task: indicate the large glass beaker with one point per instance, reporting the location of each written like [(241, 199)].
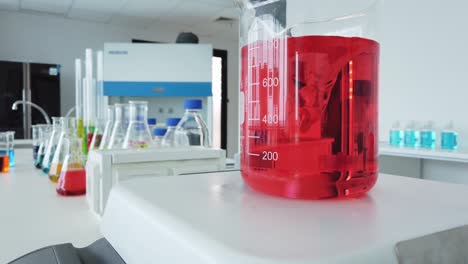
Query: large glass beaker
[(309, 97)]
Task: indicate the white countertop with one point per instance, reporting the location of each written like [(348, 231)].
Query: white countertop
[(460, 155), (216, 218), (221, 211), (23, 143), (33, 215)]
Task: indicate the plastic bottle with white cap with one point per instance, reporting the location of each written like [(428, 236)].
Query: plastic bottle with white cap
[(449, 138), (412, 135), (428, 136), (396, 135)]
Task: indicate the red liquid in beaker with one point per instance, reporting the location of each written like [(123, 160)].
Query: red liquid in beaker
[(310, 116), (72, 182)]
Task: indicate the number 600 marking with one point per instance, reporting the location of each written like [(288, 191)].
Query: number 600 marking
[(270, 155)]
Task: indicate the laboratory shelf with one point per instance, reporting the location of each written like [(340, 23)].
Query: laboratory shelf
[(460, 155)]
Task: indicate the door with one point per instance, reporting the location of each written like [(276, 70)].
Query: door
[(220, 98), (45, 90), (11, 89)]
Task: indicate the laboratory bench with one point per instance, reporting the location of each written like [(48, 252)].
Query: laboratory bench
[(33, 215), (217, 217), (23, 143), (432, 164)]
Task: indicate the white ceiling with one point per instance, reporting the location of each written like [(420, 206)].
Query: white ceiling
[(190, 15)]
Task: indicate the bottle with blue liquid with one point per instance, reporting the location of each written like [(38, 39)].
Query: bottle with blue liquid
[(428, 136), (449, 138), (412, 135), (396, 135)]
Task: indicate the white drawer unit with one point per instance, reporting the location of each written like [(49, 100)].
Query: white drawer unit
[(107, 168)]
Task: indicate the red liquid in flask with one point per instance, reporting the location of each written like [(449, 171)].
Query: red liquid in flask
[(72, 182), (89, 138), (310, 122)]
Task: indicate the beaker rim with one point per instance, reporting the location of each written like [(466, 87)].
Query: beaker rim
[(345, 16)]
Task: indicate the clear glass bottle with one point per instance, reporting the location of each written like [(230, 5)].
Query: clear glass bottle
[(69, 129), (158, 134), (108, 128), (169, 138), (396, 135), (449, 138), (119, 129), (52, 144), (192, 129), (138, 135), (428, 136), (72, 180), (152, 124)]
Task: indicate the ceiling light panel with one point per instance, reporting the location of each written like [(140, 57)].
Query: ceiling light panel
[(148, 8), (90, 15), (190, 12)]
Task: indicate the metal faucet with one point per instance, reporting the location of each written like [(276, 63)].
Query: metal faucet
[(70, 111), (15, 107)]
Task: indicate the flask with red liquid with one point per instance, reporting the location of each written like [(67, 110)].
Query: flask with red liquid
[(308, 97), (72, 179)]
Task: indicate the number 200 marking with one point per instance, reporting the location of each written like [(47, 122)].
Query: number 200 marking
[(270, 155)]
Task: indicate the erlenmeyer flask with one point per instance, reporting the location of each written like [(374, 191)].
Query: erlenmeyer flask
[(72, 180), (126, 115), (138, 134), (97, 135), (36, 139), (69, 129), (52, 144), (108, 127), (119, 129), (44, 135)]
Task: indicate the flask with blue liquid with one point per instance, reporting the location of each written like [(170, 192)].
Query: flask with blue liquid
[(449, 138), (396, 135), (412, 135), (428, 136)]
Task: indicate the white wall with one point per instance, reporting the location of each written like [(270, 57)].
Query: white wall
[(47, 39), (424, 64), (422, 61)]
